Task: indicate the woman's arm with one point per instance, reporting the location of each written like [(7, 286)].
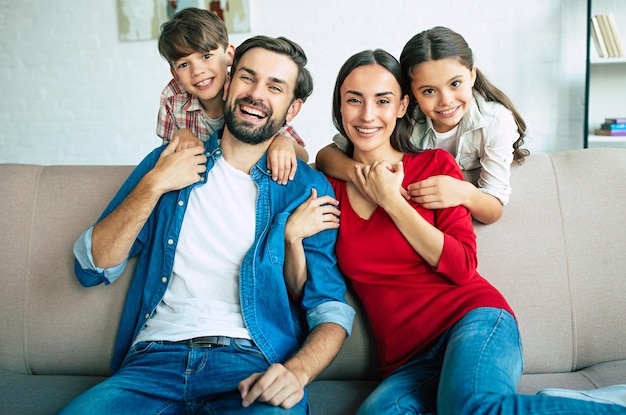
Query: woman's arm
[(314, 215)]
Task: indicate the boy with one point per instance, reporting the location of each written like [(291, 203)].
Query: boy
[(195, 44)]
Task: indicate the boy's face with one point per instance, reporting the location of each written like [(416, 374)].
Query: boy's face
[(260, 95), (204, 74)]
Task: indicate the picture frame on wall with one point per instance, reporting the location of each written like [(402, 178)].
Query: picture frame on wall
[(142, 19)]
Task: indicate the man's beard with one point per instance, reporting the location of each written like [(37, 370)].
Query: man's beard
[(245, 131)]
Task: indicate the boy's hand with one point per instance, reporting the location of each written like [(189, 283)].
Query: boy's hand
[(186, 139), (281, 159)]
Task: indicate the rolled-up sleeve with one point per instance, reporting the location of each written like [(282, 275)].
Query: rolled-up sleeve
[(332, 312), (87, 273)]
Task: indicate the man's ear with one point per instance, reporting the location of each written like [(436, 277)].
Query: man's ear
[(294, 109)]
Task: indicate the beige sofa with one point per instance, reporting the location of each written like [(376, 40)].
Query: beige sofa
[(558, 254)]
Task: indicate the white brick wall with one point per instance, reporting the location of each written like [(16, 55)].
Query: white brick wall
[(71, 93)]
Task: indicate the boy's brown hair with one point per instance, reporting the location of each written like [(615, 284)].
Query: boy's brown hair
[(189, 31)]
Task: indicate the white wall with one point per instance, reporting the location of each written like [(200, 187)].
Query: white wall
[(72, 93)]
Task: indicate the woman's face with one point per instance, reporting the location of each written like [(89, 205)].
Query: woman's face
[(371, 102), (443, 90)]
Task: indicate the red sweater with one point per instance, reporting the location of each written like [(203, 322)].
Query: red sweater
[(409, 303)]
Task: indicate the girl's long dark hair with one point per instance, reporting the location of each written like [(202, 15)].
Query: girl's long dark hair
[(441, 42)]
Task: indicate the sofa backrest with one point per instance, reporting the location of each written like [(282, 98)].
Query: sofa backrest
[(557, 254)]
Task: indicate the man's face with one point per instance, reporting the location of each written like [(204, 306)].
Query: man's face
[(260, 93)]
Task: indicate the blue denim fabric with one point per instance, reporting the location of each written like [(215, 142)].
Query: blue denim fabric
[(473, 369), (177, 379), (271, 318)]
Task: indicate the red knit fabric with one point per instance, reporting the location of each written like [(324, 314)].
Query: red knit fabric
[(409, 303)]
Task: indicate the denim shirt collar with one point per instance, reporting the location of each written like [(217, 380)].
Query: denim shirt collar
[(213, 151)]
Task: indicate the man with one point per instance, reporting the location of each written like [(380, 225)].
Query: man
[(209, 326)]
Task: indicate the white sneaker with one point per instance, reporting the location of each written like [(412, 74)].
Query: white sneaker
[(615, 394)]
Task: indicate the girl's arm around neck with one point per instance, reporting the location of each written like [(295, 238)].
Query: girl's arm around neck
[(334, 162)]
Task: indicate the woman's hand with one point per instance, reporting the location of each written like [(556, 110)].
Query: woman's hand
[(381, 182)]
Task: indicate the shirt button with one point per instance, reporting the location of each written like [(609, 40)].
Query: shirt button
[(147, 316), (180, 203), (170, 242), (164, 279)]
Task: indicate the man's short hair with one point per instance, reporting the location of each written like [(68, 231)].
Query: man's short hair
[(283, 46), (189, 31)]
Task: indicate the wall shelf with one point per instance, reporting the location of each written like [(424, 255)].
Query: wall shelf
[(605, 87)]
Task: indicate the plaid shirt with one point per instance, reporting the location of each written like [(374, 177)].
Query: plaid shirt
[(180, 109)]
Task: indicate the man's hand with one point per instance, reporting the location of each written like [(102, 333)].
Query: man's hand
[(186, 139), (281, 159), (277, 386)]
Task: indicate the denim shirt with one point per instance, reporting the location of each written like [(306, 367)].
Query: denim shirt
[(484, 145), (272, 319)]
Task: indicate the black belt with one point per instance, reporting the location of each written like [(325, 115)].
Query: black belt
[(212, 341)]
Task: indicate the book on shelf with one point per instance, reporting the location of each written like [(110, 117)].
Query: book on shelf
[(616, 120), (598, 39), (613, 127), (616, 36), (606, 36), (600, 131)]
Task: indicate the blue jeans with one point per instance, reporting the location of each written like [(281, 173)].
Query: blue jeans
[(168, 379), (473, 369)]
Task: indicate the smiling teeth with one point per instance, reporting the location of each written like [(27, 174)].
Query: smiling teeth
[(366, 130), (253, 111), (447, 111), (204, 83)]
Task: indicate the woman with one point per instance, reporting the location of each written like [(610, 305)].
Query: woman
[(447, 340)]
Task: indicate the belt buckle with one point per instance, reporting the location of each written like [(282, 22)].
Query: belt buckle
[(209, 341)]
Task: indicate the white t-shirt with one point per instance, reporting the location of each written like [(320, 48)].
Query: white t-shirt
[(202, 298)]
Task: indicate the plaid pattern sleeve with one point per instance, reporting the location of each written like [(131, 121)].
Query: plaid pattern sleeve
[(290, 132), (166, 122)]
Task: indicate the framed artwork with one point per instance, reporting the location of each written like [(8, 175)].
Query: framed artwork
[(142, 19)]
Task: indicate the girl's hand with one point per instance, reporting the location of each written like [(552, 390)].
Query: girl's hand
[(281, 159), (312, 216), (438, 192)]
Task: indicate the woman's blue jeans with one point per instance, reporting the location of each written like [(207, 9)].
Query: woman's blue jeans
[(168, 379), (473, 369)]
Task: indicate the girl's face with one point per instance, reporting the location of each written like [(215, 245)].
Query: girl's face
[(443, 90), (371, 102)]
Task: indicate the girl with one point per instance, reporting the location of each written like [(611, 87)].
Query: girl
[(461, 112), (447, 340)]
